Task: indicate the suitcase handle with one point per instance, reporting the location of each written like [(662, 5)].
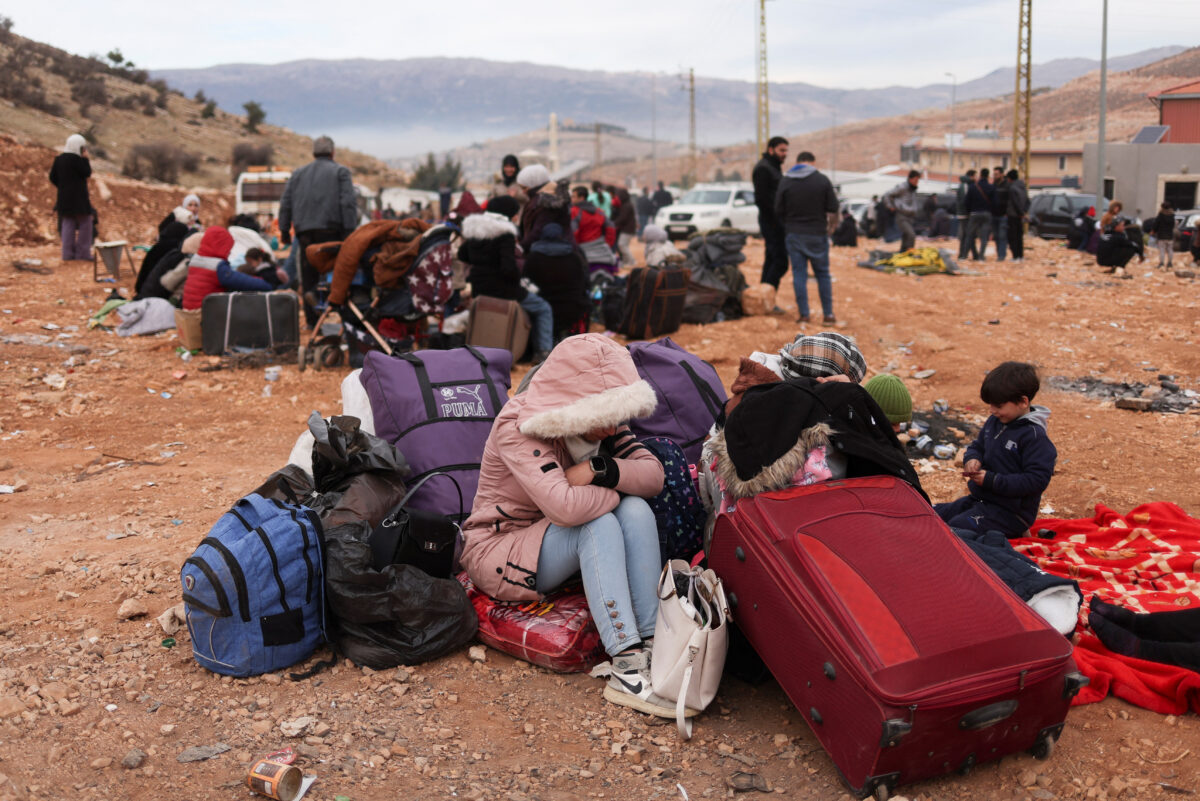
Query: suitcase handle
[(989, 715)]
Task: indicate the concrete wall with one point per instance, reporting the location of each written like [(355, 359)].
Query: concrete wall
[(1141, 171)]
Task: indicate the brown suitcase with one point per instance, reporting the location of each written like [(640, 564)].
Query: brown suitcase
[(497, 323), (654, 302)]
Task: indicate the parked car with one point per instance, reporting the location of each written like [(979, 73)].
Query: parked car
[(708, 206), (1051, 213), (1185, 228)]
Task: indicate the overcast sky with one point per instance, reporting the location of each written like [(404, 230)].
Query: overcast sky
[(838, 43)]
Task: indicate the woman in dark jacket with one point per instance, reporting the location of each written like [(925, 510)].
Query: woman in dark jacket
[(70, 173), (170, 237), (558, 269)]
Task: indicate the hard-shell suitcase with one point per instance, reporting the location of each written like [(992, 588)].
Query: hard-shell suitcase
[(654, 301), (902, 650), (250, 320), (497, 323)]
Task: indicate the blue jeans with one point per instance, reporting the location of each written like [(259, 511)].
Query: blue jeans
[(814, 248), (541, 316), (617, 556), (1000, 235)]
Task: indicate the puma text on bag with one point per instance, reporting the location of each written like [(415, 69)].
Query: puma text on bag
[(253, 589)]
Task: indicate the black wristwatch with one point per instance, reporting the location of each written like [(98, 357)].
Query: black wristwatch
[(599, 469)]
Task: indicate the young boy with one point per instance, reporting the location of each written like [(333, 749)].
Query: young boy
[(1010, 463)]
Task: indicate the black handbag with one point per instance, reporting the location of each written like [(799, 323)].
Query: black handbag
[(427, 540)]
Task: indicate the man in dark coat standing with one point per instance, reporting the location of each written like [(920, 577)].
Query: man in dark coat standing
[(807, 207), (662, 198), (766, 176), (320, 203), (70, 173), (1018, 209)]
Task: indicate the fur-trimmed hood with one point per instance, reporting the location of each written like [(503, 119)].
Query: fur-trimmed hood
[(774, 476), (487, 226), (588, 382)]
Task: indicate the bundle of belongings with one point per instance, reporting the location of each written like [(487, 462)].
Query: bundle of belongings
[(799, 428), (387, 251), (918, 261), (295, 563), (716, 283)]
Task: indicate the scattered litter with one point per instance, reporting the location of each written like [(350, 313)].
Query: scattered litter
[(199, 753), (1133, 395), (168, 643), (923, 374), (741, 782), (941, 405), (55, 381), (266, 391), (944, 452), (272, 373), (110, 708), (165, 395), (179, 375), (51, 327)]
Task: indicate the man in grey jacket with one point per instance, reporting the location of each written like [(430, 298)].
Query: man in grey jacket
[(903, 201), (320, 204), (1018, 208)]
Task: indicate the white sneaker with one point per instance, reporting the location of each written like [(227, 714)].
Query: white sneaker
[(629, 685)]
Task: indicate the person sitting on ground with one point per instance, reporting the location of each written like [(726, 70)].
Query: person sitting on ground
[(548, 203), (1115, 248), (209, 271), (846, 234), (562, 484), (660, 251), (259, 263), (893, 398), (170, 237), (555, 265), (593, 231), (1163, 229), (490, 248), (191, 203), (1010, 463)]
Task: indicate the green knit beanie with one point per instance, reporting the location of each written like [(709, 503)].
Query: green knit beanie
[(892, 396)]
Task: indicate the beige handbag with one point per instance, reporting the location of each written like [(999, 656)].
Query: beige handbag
[(691, 639)]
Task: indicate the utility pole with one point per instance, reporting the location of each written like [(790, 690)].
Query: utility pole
[(833, 148), (596, 152), (1021, 94), (692, 121), (950, 171), (654, 127), (1100, 160), (762, 108), (554, 162)]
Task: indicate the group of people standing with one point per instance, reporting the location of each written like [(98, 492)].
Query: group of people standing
[(999, 207)]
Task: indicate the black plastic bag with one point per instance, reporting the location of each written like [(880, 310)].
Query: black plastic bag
[(358, 476), (395, 616)]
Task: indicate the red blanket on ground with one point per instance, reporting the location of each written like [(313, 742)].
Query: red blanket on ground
[(1147, 560)]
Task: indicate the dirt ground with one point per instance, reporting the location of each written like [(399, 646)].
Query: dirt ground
[(122, 466)]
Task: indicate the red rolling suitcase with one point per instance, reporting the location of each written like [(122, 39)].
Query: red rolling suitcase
[(902, 650)]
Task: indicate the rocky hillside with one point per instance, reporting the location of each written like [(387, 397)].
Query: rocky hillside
[(405, 107), (137, 125)]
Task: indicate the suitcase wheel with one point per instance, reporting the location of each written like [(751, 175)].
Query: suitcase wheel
[(1043, 749), (1047, 737), (327, 357), (882, 793), (302, 358)]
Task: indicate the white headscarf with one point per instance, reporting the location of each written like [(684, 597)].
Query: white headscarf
[(75, 143)]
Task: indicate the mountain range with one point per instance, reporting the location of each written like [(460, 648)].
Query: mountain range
[(403, 107)]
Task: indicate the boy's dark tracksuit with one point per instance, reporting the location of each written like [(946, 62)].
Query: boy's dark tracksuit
[(1019, 459)]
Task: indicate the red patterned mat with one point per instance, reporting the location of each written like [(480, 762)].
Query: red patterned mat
[(1147, 560)]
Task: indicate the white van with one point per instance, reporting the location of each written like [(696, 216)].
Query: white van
[(708, 206), (259, 190)]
